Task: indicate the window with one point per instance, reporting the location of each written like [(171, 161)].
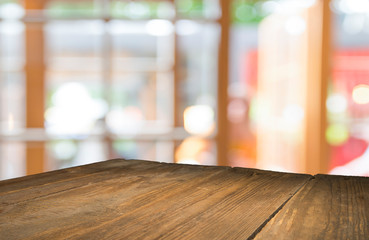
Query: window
[(241, 83), (86, 81), (347, 101)]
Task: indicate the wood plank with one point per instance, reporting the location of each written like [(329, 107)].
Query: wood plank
[(18, 184), (145, 200), (57, 181), (328, 207)]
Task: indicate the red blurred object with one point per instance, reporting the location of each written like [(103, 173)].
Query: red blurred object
[(345, 153), (251, 71), (351, 68)]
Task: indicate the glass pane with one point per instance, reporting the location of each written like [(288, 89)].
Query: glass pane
[(12, 89), (198, 52), (141, 103), (161, 151), (142, 45), (12, 102), (68, 153), (195, 150), (12, 45), (74, 45), (12, 82), (75, 92), (75, 107), (11, 9), (348, 101), (12, 160), (142, 61)]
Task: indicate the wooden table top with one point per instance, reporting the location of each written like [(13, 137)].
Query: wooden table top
[(131, 199)]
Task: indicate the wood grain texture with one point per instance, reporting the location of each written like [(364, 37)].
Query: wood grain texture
[(327, 207), (130, 199)]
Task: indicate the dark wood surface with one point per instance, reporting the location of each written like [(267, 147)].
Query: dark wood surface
[(327, 207), (131, 199)]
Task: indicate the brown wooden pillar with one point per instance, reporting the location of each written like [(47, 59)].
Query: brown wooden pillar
[(222, 138), (319, 70), (177, 108), (35, 85), (177, 116)]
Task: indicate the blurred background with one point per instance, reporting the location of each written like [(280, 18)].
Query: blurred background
[(271, 84)]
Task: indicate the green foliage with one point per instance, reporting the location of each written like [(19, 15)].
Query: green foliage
[(137, 9), (125, 148), (190, 8), (247, 11), (69, 9), (9, 1), (243, 11)]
